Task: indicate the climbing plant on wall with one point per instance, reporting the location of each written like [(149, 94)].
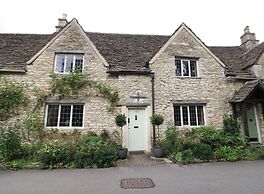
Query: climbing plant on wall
[(11, 98), (73, 83)]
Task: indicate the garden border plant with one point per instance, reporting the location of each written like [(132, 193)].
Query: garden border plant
[(207, 143)]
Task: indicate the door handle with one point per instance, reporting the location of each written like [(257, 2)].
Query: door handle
[(136, 127)]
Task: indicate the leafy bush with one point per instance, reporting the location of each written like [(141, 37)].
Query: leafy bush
[(231, 126), (95, 152), (208, 135), (156, 119), (120, 120), (56, 153), (228, 153), (203, 152), (105, 135), (31, 150), (11, 96), (184, 157), (171, 141), (10, 143), (252, 153)]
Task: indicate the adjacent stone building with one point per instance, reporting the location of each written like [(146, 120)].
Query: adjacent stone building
[(189, 83)]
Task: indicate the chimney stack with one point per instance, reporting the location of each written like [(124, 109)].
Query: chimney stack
[(248, 39), (62, 22)]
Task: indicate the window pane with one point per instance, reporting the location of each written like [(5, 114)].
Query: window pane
[(77, 117), (192, 116), (193, 68), (69, 63), (52, 116), (200, 115), (60, 63), (65, 113), (178, 67), (79, 62), (185, 68), (185, 115), (177, 115)]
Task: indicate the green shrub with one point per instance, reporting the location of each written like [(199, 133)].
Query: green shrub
[(11, 96), (10, 143), (156, 119), (184, 157), (228, 153), (252, 153), (171, 141), (120, 120), (56, 153), (203, 152), (105, 135), (31, 150), (231, 126), (94, 152)]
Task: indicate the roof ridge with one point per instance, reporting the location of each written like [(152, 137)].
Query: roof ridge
[(112, 33), (24, 34)]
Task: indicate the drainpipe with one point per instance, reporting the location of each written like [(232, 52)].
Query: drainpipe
[(153, 105)]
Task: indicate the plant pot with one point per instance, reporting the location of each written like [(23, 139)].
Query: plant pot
[(122, 153), (157, 152)]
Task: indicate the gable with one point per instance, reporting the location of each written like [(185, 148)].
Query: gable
[(184, 28), (76, 35)]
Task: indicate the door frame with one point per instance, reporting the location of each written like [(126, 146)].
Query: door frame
[(147, 109), (257, 124)]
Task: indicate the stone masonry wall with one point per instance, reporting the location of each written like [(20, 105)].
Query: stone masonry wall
[(211, 85)]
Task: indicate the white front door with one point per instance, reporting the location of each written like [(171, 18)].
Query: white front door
[(253, 127), (137, 129)]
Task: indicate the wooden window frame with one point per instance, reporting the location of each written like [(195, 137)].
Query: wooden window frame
[(66, 55), (59, 115), (189, 115), (189, 66)]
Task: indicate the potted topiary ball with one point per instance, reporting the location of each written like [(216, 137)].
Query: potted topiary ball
[(157, 120), (120, 121)]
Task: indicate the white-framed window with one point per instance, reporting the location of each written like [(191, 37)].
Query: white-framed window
[(64, 115), (66, 63), (186, 67), (189, 115)]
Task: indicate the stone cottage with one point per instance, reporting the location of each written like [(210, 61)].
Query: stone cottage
[(179, 76)]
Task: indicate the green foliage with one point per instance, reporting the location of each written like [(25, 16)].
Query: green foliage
[(120, 120), (208, 143), (171, 141), (22, 164), (252, 153), (68, 84), (228, 153), (11, 96), (208, 135), (203, 152), (231, 125), (156, 119), (33, 121), (184, 157), (56, 153), (31, 150), (10, 144), (105, 135), (74, 82), (95, 152)]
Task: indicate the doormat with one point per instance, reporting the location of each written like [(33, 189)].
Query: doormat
[(137, 183)]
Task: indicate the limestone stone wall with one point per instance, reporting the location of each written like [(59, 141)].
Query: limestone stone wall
[(211, 85)]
